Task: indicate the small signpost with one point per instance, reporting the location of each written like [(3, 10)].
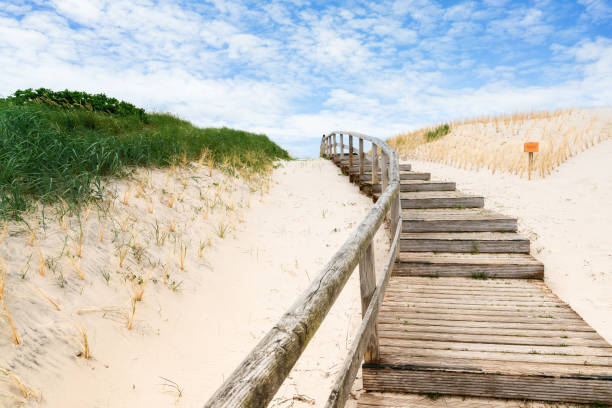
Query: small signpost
[(531, 148)]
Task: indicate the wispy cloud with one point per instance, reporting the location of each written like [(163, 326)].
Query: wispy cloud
[(295, 70)]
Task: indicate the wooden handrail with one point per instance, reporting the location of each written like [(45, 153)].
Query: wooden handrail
[(257, 379)]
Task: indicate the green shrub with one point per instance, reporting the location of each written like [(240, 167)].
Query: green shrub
[(76, 100), (50, 152), (437, 133)]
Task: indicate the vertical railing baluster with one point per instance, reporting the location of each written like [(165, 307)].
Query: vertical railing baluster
[(367, 284), (385, 171), (361, 159), (375, 164), (341, 147), (335, 147), (350, 152)]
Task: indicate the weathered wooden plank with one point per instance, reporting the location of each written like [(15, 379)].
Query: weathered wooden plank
[(466, 220), (604, 363), (508, 284), (417, 185), (492, 339), (351, 152), (367, 282), (354, 169), (492, 366), (486, 265), (578, 389), (440, 199), (484, 331), (404, 175), (477, 242), (508, 348), (442, 293), (361, 158)]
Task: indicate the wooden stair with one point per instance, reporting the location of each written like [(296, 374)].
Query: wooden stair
[(440, 199), (456, 220), (466, 312), (480, 266), (472, 242)]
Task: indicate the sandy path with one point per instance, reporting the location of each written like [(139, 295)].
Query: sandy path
[(196, 336)]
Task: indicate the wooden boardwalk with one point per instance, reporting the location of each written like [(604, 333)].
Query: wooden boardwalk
[(466, 311)]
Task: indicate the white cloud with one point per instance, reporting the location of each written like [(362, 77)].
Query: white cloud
[(295, 71)]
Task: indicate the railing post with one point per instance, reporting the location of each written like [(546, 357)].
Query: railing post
[(375, 165), (350, 152), (361, 159), (385, 171), (367, 281), (335, 147), (341, 147), (322, 147)]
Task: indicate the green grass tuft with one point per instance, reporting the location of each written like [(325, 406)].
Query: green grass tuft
[(437, 133), (50, 152)]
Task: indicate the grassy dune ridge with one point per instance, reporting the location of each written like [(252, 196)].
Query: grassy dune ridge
[(496, 143), (51, 151)]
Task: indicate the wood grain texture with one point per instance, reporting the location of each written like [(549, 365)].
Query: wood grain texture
[(495, 338), (478, 242), (404, 175), (440, 199), (367, 285), (451, 220), (521, 266)]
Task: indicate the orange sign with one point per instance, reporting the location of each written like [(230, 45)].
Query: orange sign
[(531, 147)]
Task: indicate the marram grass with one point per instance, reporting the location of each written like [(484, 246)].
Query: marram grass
[(52, 153), (496, 143)]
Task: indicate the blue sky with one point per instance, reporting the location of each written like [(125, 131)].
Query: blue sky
[(295, 69)]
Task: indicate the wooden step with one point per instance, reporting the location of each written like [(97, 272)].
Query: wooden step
[(480, 266), (440, 199), (419, 185), (470, 348), (452, 220), (474, 242), (404, 175), (368, 169)]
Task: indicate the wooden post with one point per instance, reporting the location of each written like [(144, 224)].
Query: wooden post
[(335, 148), (385, 172), (350, 152), (375, 165), (341, 147), (367, 281), (322, 152), (361, 159), (531, 148)]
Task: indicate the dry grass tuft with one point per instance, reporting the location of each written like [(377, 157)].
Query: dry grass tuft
[(48, 298), (496, 143), (26, 391), (76, 267), (84, 352), (5, 309), (131, 314)]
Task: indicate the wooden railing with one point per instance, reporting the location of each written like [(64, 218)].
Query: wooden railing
[(257, 379)]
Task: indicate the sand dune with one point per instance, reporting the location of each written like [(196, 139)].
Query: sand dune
[(195, 325), (496, 143)]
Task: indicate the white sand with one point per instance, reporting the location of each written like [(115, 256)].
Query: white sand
[(224, 301)]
